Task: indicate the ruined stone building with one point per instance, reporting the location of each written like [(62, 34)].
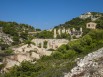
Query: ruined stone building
[(51, 43), (55, 33), (77, 33), (72, 32), (91, 25)]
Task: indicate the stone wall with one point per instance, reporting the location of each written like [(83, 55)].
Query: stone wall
[(72, 32), (51, 43), (91, 25)]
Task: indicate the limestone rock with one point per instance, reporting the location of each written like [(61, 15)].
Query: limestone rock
[(90, 66)]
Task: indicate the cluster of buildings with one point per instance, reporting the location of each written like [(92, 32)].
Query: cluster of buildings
[(54, 43), (71, 32)]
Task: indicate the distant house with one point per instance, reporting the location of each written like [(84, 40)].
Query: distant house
[(91, 25)]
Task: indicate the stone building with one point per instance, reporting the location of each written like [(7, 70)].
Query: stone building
[(77, 33), (91, 25), (51, 43), (72, 32), (59, 31), (63, 30)]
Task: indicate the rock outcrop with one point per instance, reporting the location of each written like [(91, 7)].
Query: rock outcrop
[(6, 38), (90, 66), (25, 52)]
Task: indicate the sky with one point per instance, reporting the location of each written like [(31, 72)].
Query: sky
[(46, 14)]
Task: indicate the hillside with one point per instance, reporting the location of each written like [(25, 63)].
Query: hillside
[(62, 60), (12, 33), (32, 58), (81, 20), (90, 66), (75, 23)]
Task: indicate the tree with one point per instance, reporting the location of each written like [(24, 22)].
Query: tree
[(8, 51), (45, 34), (45, 44), (24, 35), (16, 40)]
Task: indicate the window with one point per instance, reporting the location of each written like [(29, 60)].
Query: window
[(88, 25)]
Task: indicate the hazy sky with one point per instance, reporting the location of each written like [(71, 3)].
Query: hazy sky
[(46, 14)]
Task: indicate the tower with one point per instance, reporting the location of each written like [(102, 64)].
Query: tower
[(81, 29), (59, 32), (63, 30), (73, 29), (55, 35)]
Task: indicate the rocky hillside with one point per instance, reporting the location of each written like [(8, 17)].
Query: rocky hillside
[(29, 62), (24, 52), (5, 38), (90, 66), (12, 33), (62, 60)]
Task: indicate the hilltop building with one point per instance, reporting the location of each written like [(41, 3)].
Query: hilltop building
[(92, 16), (87, 15)]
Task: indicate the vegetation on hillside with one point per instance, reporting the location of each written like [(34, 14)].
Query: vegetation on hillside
[(16, 31), (44, 35), (60, 61), (78, 22), (50, 35)]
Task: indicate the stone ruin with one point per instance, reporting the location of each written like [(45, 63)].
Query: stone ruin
[(91, 25), (72, 32), (51, 43), (55, 35)]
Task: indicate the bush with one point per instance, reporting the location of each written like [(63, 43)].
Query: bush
[(62, 49), (70, 54), (1, 66), (8, 51), (74, 37), (4, 46), (51, 49), (57, 55)]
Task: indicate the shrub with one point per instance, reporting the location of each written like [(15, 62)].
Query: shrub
[(57, 55), (8, 51), (70, 54)]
